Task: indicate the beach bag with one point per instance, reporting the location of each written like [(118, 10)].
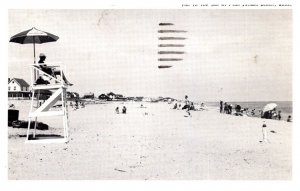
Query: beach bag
[(24, 124), (13, 115)]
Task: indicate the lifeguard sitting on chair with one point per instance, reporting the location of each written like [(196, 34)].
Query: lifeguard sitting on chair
[(52, 71)]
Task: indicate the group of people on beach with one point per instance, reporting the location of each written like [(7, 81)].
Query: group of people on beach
[(226, 108), (124, 110), (188, 106), (239, 111), (77, 104), (272, 114)]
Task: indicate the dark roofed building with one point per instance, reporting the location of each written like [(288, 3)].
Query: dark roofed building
[(18, 88), (103, 97), (111, 95), (89, 95), (120, 97)]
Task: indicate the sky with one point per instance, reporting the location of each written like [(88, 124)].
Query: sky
[(233, 55)]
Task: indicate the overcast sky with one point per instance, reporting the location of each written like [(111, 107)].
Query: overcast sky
[(234, 55)]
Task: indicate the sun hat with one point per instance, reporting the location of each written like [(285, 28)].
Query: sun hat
[(42, 55)]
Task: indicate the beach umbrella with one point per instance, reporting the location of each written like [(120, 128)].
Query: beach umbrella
[(269, 107), (33, 36)]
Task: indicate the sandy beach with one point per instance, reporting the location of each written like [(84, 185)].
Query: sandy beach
[(153, 143)]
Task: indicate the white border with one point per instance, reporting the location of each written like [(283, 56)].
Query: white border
[(138, 185)]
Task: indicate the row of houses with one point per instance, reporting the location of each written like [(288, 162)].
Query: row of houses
[(108, 97), (20, 89)]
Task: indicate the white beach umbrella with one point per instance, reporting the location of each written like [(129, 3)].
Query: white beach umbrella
[(269, 107)]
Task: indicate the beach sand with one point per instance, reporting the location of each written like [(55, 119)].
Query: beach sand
[(156, 142)]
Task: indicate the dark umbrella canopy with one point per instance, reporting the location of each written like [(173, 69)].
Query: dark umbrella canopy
[(33, 36)]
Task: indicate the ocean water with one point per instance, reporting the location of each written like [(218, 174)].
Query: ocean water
[(286, 107)]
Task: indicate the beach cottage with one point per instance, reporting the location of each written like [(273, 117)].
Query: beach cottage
[(103, 97), (111, 95), (18, 89), (72, 95), (89, 95), (120, 97), (139, 98)]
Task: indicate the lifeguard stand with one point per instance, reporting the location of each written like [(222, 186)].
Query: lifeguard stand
[(45, 109)]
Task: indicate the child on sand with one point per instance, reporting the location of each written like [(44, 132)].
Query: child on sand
[(175, 106), (124, 110), (179, 106), (289, 119), (117, 110)]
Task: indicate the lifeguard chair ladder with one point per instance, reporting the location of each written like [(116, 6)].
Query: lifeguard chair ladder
[(59, 90)]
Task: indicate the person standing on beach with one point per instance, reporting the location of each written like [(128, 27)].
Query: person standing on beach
[(117, 110), (253, 112), (221, 106), (279, 115), (175, 106), (229, 109), (225, 108), (186, 100), (76, 104)]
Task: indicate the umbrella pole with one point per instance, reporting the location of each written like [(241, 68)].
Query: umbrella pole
[(34, 49), (35, 72)]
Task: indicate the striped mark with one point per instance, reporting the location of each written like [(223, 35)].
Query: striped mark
[(171, 52), (171, 38), (171, 31), (165, 24), (164, 66), (170, 59), (171, 45)]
